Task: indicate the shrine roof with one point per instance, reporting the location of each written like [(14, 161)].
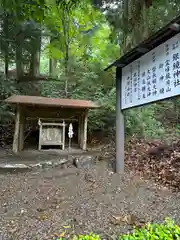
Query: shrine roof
[(50, 102), (161, 36)]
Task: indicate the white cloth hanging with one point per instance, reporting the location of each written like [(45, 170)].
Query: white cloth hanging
[(70, 132)]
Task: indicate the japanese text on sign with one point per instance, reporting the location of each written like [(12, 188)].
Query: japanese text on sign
[(152, 77)]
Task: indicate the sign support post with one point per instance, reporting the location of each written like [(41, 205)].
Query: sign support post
[(119, 125)]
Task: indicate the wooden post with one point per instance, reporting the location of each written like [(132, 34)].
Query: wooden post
[(85, 120), (21, 131), (63, 135), (82, 131), (40, 134), (17, 130), (79, 131), (119, 125)]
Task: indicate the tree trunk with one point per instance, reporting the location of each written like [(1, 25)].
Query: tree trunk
[(52, 64), (19, 59), (66, 70), (145, 24), (6, 47), (35, 63), (125, 25), (52, 67), (65, 23), (35, 57)]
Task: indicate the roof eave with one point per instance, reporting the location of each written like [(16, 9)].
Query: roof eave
[(50, 105)]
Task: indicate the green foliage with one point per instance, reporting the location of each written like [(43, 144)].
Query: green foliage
[(178, 129), (8, 88), (168, 230), (165, 231), (36, 10), (104, 118), (87, 237), (142, 121)]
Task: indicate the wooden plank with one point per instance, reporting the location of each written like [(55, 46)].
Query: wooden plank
[(52, 113), (51, 143), (16, 130), (51, 134), (52, 124), (54, 119)]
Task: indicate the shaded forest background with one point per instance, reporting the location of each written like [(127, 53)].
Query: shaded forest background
[(60, 48)]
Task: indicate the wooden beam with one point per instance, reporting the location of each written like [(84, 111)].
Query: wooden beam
[(17, 130), (53, 113), (53, 119)]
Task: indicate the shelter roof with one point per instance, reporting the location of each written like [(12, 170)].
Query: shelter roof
[(161, 36), (50, 102)]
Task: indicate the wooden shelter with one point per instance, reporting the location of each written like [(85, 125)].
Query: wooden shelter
[(50, 112)]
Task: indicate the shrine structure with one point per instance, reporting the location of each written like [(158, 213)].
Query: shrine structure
[(51, 115)]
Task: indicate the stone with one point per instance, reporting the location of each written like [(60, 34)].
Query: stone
[(14, 166)]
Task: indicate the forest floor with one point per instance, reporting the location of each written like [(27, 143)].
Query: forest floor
[(47, 203)]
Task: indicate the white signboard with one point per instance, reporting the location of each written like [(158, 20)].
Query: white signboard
[(152, 77)]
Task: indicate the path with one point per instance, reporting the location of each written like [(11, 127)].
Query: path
[(38, 204)]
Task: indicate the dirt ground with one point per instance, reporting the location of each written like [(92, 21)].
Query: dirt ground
[(45, 203)]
